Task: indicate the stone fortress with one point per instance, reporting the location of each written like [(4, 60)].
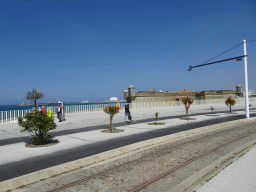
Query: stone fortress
[(160, 96)]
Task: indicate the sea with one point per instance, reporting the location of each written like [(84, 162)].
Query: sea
[(30, 107)]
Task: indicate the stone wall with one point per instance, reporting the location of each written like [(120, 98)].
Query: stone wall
[(138, 105)]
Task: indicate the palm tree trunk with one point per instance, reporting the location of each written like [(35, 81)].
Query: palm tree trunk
[(35, 103), (230, 108), (186, 113), (110, 126)]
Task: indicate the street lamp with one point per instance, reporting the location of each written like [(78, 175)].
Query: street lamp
[(246, 83), (239, 58)]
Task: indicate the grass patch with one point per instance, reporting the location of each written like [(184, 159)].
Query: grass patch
[(187, 118), (212, 115), (113, 131), (232, 113), (157, 123)]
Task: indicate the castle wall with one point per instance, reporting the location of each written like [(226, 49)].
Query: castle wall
[(146, 96)]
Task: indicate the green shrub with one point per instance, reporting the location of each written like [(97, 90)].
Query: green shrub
[(156, 114), (38, 125), (212, 109)]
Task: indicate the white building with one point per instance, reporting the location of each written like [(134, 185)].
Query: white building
[(251, 93), (113, 99)]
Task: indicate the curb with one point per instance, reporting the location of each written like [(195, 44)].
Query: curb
[(66, 167), (195, 181)]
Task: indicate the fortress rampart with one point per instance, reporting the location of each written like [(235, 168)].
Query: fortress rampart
[(159, 96)]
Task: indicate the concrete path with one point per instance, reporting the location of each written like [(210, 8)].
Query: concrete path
[(18, 151), (237, 177)]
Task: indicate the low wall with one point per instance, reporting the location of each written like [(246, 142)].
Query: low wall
[(159, 98), (139, 105)]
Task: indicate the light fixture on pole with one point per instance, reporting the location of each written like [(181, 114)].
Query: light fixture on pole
[(239, 58)]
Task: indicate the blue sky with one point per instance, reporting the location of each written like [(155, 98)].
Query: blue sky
[(93, 50)]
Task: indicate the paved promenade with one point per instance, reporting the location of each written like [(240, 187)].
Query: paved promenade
[(86, 130), (237, 177)]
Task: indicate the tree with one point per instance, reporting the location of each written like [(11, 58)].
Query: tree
[(112, 110), (187, 102), (230, 102), (156, 114), (38, 125), (34, 95), (212, 109)]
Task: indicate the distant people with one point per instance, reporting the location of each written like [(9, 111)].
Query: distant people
[(59, 110), (43, 109), (49, 112), (118, 105)]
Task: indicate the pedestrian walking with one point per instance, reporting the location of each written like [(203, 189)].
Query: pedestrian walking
[(118, 105), (49, 112), (59, 110), (43, 109), (127, 113)]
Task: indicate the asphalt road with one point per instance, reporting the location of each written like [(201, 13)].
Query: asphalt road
[(30, 165)]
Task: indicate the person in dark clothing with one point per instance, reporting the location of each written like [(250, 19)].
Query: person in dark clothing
[(127, 113), (59, 113)]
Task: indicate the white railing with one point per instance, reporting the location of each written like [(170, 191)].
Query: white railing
[(12, 116)]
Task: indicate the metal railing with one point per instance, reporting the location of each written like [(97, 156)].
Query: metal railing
[(12, 115)]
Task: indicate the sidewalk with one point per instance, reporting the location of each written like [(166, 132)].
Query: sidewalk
[(237, 177), (18, 151), (80, 120)]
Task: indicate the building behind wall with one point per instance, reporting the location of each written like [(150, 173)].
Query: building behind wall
[(159, 96)]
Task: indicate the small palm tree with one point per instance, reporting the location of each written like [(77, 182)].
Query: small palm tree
[(230, 102), (156, 114), (34, 95), (187, 102), (212, 109), (112, 110)]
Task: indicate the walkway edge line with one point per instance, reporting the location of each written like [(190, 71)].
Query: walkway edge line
[(70, 166)]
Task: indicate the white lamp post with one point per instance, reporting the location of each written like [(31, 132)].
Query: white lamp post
[(246, 83)]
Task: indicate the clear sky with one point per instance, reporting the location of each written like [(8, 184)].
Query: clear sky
[(93, 50)]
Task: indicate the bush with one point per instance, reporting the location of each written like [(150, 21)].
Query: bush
[(212, 109), (38, 125), (156, 114)]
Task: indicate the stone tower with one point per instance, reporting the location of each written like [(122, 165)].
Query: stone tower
[(131, 94), (239, 90), (125, 94)]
